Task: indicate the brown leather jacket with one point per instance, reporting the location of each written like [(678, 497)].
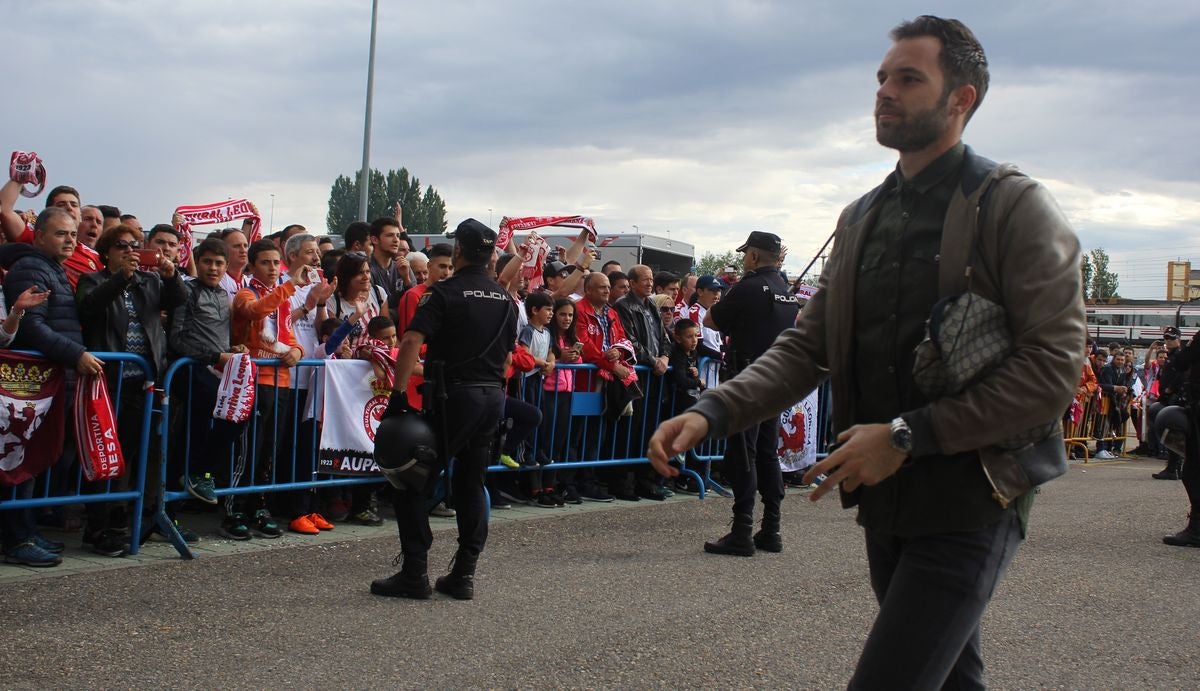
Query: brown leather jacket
[(1030, 265)]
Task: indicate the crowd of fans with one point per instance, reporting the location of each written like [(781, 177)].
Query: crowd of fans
[(1119, 389), (85, 279)]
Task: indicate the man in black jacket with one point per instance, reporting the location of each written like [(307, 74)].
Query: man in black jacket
[(643, 326), (121, 311), (51, 327), (1115, 380)]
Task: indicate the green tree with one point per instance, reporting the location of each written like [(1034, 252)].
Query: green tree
[(1085, 267), (1104, 282), (712, 264), (423, 213)]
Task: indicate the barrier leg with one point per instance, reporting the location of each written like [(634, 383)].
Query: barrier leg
[(713, 484), (695, 476)]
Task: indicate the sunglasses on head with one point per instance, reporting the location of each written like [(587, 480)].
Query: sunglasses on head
[(127, 244)]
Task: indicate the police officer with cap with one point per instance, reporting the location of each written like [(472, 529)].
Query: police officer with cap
[(752, 314), (469, 324)]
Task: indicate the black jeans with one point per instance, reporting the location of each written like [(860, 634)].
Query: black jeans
[(932, 592), (472, 419), (761, 473)]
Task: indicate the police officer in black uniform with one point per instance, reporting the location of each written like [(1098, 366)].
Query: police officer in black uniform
[(752, 314), (469, 324)]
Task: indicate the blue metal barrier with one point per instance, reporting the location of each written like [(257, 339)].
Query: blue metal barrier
[(619, 442), (60, 486)]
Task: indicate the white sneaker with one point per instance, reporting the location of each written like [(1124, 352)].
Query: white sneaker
[(442, 511), (1104, 455)]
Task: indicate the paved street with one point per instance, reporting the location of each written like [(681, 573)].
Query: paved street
[(621, 597)]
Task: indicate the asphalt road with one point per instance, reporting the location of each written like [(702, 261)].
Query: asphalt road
[(624, 599)]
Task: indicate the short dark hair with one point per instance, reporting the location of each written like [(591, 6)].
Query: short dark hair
[(288, 228), (108, 238), (210, 246), (662, 279), (537, 300), (326, 328), (350, 264), (961, 58), (321, 240), (501, 262), (330, 259), (109, 211), (128, 217), (356, 232), (682, 325), (48, 213), (382, 222), (224, 233), (261, 246), (610, 262), (162, 228), (614, 276), (378, 324), (445, 249), (62, 189)]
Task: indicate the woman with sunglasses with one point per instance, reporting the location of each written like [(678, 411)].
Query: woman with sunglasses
[(120, 309)]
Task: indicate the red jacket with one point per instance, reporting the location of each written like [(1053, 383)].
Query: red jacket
[(588, 332)]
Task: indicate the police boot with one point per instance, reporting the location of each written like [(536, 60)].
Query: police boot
[(460, 582), (1189, 536), (411, 581), (738, 542), (1171, 472), (768, 538)]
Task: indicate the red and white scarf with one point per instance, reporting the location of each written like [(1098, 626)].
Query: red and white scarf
[(25, 167), (235, 393), (96, 430), (377, 352), (508, 226), (273, 327), (208, 214)]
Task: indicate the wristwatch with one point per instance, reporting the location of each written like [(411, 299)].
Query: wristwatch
[(901, 436)]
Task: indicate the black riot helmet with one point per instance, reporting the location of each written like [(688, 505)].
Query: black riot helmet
[(406, 451)]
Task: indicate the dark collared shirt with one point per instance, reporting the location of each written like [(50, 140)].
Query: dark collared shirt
[(896, 288)]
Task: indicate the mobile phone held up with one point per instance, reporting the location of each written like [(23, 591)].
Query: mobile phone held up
[(148, 259)]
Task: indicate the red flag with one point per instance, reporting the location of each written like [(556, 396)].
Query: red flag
[(31, 416)]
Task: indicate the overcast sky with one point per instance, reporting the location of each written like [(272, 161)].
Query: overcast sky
[(702, 119)]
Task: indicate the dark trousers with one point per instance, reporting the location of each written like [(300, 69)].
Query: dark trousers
[(17, 525), (761, 472), (214, 446), (932, 592), (472, 414), (271, 448), (553, 444)]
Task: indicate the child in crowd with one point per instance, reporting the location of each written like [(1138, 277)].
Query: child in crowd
[(535, 336), (686, 384), (557, 435), (377, 349)]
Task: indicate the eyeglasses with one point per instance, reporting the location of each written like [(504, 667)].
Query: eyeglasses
[(127, 244)]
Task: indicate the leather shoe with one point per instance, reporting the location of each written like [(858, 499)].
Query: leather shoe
[(403, 585)]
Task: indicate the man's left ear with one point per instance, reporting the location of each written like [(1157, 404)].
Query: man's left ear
[(963, 99)]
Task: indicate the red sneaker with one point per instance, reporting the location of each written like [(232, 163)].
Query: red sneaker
[(319, 521), (304, 526)]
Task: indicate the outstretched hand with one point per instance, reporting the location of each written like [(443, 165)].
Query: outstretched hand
[(674, 437)]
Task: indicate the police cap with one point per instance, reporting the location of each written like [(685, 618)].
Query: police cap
[(759, 240), (1171, 333), (476, 241)]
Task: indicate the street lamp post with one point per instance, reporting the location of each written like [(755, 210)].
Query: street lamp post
[(635, 228), (271, 223), (489, 217), (364, 176)]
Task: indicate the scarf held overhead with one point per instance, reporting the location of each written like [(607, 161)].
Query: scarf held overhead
[(508, 226), (209, 214)]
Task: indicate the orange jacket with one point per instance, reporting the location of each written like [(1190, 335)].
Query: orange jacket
[(250, 312)]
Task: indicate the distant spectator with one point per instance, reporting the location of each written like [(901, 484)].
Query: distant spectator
[(619, 286), (112, 215), (132, 221), (324, 244), (91, 221), (389, 268), (609, 267), (238, 249), (353, 274), (358, 237), (666, 283), (438, 267), (165, 238), (1115, 381), (729, 275)]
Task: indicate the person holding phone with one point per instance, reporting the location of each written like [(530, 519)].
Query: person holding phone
[(120, 309)]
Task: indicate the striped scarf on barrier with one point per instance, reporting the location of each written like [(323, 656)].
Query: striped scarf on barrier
[(235, 392), (208, 214)]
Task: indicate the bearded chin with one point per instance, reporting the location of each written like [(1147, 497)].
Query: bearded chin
[(914, 134)]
